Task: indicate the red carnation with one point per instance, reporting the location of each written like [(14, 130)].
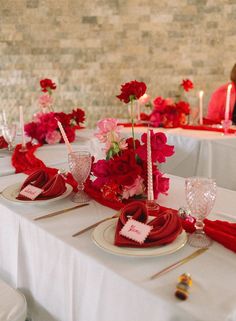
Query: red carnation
[(78, 115), (187, 84), (132, 90), (47, 85)]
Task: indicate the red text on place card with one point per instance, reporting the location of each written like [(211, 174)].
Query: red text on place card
[(31, 192), (136, 231)]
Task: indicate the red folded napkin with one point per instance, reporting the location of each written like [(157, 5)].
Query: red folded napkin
[(38, 179), (166, 226), (52, 187), (26, 162), (221, 231), (3, 143), (55, 187)]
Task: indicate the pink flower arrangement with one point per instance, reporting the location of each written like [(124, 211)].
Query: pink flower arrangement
[(45, 130), (44, 126), (123, 174)]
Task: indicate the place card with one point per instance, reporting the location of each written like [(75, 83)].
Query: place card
[(136, 231), (31, 192)]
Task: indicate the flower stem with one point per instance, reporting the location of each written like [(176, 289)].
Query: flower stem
[(132, 119)]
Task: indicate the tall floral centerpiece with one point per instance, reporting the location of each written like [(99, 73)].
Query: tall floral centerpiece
[(131, 92), (44, 127), (123, 174)]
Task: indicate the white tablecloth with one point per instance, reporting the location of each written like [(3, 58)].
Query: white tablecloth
[(71, 279), (199, 153), (54, 155)]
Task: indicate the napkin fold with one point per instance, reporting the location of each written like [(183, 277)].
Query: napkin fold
[(165, 227), (3, 143), (52, 187), (38, 179), (222, 232)]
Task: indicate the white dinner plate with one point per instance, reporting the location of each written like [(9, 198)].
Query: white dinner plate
[(11, 192), (104, 234)]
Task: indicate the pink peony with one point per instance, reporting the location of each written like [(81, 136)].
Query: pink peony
[(108, 132), (136, 188), (53, 137)]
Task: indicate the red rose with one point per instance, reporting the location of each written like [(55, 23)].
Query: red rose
[(187, 84), (183, 107), (124, 168), (132, 90), (47, 85), (159, 104)]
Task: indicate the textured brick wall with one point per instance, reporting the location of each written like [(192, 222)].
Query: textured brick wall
[(90, 47)]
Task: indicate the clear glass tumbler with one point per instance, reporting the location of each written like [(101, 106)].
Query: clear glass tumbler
[(9, 134)]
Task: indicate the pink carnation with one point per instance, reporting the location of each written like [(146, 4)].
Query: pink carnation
[(53, 137), (144, 99), (45, 101)]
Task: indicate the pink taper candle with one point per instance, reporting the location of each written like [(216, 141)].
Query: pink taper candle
[(22, 126), (149, 167), (227, 106), (68, 145)]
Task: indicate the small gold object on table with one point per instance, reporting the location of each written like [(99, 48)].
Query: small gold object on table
[(184, 283)]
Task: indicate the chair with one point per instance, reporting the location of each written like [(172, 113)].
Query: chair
[(13, 305)]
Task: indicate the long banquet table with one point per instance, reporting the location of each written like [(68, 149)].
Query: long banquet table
[(55, 155), (198, 153), (71, 279)]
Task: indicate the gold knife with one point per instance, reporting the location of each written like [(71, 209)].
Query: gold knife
[(59, 212), (95, 224), (179, 263)]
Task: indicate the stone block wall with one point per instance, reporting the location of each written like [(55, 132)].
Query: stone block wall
[(89, 48)]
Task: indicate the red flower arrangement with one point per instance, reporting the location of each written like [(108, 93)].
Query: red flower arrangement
[(45, 130), (169, 113), (44, 126), (123, 174)]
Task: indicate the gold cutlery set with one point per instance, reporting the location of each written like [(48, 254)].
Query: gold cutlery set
[(154, 276)]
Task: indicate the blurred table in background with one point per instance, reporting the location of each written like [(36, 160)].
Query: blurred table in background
[(54, 155), (198, 153)]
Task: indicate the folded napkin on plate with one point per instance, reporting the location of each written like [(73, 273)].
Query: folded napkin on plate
[(55, 187), (38, 179), (52, 187), (221, 231), (166, 226), (3, 143)]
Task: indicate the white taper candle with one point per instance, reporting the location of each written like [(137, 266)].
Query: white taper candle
[(227, 106), (201, 93)]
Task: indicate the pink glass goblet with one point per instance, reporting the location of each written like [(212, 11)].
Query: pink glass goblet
[(80, 166), (200, 195)]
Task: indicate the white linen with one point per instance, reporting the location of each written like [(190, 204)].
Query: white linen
[(54, 155), (198, 153), (13, 305), (71, 279)]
